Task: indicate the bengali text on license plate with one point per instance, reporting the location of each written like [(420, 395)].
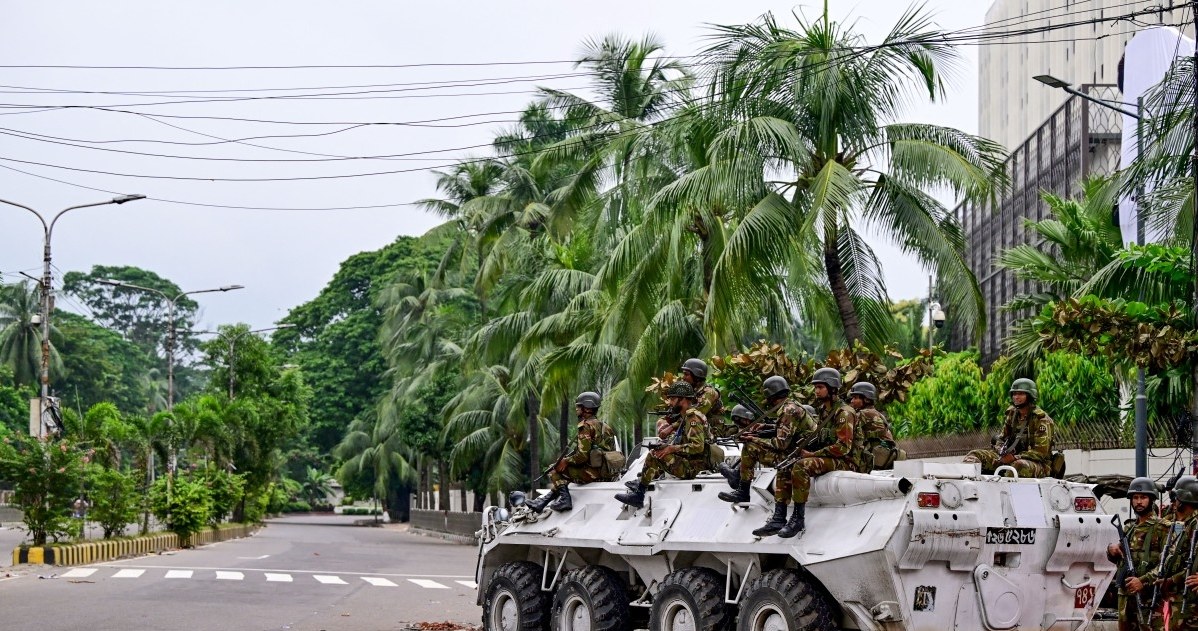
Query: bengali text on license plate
[(1018, 536)]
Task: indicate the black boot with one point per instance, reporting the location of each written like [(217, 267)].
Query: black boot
[(634, 498), (730, 474), (796, 523), (563, 502), (540, 503), (633, 483), (776, 523), (739, 496)]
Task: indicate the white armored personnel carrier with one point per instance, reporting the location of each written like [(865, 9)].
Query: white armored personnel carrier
[(927, 547)]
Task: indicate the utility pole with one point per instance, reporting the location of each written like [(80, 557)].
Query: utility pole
[(1194, 227), (1141, 388), (47, 287)]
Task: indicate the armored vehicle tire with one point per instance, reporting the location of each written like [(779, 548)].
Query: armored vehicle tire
[(514, 601), (691, 600), (783, 600), (590, 598)]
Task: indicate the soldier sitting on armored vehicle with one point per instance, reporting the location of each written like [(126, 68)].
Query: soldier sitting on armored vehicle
[(767, 443), (686, 453), (874, 444), (1143, 540), (586, 462), (828, 448), (1026, 437), (694, 372)]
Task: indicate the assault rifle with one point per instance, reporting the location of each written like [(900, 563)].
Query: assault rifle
[(1174, 535), (1189, 564), (566, 453), (1128, 569), (1011, 448)]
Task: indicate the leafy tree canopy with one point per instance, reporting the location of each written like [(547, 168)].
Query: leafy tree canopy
[(139, 316)]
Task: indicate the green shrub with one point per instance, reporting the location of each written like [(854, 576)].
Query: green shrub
[(185, 509), (297, 506), (48, 477), (360, 510), (949, 401), (226, 490), (1075, 389), (115, 501), (348, 500)]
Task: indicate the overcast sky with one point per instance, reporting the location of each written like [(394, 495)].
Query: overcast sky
[(284, 258)]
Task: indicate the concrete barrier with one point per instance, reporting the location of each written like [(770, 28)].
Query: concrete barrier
[(110, 549), (445, 522)]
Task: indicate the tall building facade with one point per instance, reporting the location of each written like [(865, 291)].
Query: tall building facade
[(1011, 105)]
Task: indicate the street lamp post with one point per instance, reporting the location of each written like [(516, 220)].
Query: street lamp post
[(1141, 400), (171, 301), (48, 289), (233, 339)]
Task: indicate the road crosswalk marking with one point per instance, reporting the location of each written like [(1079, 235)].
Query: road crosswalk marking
[(80, 572), (178, 574), (277, 578), (329, 580), (229, 576), (378, 582), (128, 574), (470, 584), (424, 582)]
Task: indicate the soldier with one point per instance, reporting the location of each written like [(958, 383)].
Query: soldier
[(1182, 574), (790, 423), (830, 448), (577, 466), (686, 454), (694, 372), (873, 443), (1169, 511), (742, 422), (1146, 537), (1027, 436)]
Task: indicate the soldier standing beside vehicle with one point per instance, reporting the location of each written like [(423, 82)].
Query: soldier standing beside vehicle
[(580, 466), (873, 442), (830, 448), (790, 423), (1146, 536), (1181, 571), (685, 455), (1027, 436)]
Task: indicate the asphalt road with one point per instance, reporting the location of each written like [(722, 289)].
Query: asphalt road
[(299, 574)]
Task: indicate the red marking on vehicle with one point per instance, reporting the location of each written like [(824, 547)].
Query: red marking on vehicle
[(1083, 596)]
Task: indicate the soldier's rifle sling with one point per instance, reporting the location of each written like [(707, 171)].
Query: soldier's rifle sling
[(1189, 565), (1129, 568), (1174, 535)]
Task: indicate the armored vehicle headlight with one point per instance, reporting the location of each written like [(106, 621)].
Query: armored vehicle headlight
[(928, 500), (1085, 504)]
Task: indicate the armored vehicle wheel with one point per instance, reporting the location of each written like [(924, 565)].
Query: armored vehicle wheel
[(514, 601), (691, 600), (783, 600), (590, 598)]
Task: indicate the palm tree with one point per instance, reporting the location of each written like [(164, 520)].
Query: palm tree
[(316, 486), (817, 109), (375, 450), (20, 337)]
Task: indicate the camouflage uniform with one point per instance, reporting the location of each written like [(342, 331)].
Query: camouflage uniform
[(711, 404), (685, 456), (1035, 431), (592, 434), (872, 428), (831, 447), (1173, 583), (791, 422), (1145, 539)]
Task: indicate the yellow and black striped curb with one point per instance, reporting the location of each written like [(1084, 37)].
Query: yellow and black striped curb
[(108, 550)]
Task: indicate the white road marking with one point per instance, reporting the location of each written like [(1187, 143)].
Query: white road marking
[(80, 572), (470, 584), (265, 569), (427, 584), (128, 574), (255, 558), (229, 576), (178, 574), (277, 578), (329, 580), (378, 582)]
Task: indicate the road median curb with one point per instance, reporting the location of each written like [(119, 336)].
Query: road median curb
[(86, 552)]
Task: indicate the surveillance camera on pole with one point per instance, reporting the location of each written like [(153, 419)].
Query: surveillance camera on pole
[(937, 315)]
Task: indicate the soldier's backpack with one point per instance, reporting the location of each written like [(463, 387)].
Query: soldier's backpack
[(884, 455), (611, 463)]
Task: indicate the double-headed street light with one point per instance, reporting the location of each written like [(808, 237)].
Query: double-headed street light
[(1141, 388), (48, 289), (233, 339)]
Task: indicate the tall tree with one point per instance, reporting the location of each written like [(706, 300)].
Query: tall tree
[(20, 338)]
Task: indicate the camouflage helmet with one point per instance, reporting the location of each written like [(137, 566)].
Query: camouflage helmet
[(588, 399), (696, 367), (682, 390), (1143, 486), (774, 386), (828, 376), (742, 412), (1187, 491), (865, 389), (809, 409), (1026, 386)]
